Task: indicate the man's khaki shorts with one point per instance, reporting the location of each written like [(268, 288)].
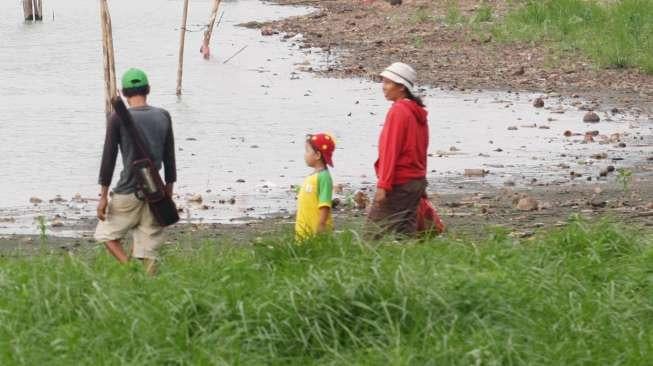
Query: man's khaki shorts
[(126, 212)]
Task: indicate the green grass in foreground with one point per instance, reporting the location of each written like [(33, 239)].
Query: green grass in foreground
[(615, 34), (579, 295)]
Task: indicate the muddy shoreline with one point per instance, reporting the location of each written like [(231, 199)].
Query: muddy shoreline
[(472, 213), (366, 36)]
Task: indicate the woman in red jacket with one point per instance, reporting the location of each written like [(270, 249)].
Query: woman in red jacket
[(401, 165)]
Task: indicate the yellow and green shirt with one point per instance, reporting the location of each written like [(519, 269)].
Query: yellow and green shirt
[(316, 192)]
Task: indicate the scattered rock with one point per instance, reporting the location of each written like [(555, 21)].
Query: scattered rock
[(597, 203), (545, 206), (512, 128), (527, 204), (268, 31), (615, 137), (591, 117), (476, 172), (361, 200), (335, 203), (568, 133), (538, 103), (56, 223), (35, 200), (621, 144), (251, 25), (588, 138), (57, 199), (240, 180), (197, 198), (600, 156)]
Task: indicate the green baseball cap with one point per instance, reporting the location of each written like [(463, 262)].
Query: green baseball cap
[(134, 78)]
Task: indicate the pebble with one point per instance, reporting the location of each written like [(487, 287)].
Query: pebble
[(361, 200), (527, 204), (195, 198), (538, 103), (591, 117), (268, 32), (476, 172)]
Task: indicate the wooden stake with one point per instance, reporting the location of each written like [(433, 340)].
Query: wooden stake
[(110, 89), (33, 10), (182, 39), (206, 51)]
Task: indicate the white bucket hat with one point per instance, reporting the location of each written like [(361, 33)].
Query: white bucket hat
[(402, 74)]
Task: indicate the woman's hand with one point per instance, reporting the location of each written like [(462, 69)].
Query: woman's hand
[(380, 195)]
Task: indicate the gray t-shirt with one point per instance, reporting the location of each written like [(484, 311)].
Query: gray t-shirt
[(155, 127)]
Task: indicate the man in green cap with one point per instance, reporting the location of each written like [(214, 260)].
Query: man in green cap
[(125, 211)]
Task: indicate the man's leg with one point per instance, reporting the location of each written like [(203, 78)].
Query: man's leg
[(148, 238), (150, 266), (123, 212), (115, 248)]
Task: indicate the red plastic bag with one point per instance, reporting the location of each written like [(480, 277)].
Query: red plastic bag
[(428, 218)]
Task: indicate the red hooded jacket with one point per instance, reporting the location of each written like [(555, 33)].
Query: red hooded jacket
[(403, 144)]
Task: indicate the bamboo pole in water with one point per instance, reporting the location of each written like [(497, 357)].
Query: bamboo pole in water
[(182, 39), (33, 10), (110, 89), (206, 51)]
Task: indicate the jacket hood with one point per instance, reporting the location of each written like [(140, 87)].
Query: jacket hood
[(419, 112)]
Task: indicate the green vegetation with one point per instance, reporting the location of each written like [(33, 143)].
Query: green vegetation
[(582, 294), (418, 42), (421, 15), (624, 177), (483, 14), (615, 34), (454, 16)]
